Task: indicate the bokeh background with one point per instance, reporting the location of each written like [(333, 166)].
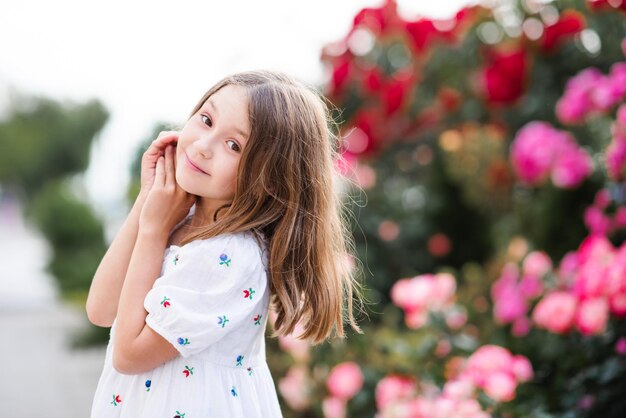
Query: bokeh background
[(485, 142)]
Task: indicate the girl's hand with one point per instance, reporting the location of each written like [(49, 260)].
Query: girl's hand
[(149, 158), (166, 203)]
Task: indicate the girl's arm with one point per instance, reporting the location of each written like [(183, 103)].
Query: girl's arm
[(106, 285), (104, 293), (138, 347)]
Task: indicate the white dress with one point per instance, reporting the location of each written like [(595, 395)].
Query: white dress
[(211, 303)]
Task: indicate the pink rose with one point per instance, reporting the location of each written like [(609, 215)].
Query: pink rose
[(459, 389), (414, 293), (620, 117), (443, 288), (297, 348), (568, 265), (617, 75), (615, 158), (531, 286), (602, 199), (572, 107), (555, 312), (416, 319), (400, 293), (522, 369), (510, 306), (506, 281), (620, 346), (500, 387), (393, 388), (618, 304), (294, 388), (537, 263), (571, 167), (456, 317), (606, 94), (345, 380), (533, 151), (487, 360), (469, 408), (576, 102), (539, 150), (592, 279), (596, 221), (592, 316), (585, 80), (521, 326), (595, 247), (334, 408)]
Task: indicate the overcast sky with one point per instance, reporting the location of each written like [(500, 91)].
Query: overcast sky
[(150, 61)]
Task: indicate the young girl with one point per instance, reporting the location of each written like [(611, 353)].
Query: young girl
[(237, 214)]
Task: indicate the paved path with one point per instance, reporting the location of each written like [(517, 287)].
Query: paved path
[(40, 375)]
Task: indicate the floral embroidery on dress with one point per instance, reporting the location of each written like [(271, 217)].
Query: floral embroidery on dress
[(249, 371), (179, 415), (257, 319), (233, 391), (183, 341), (176, 258), (188, 371), (116, 400), (239, 360), (247, 293), (224, 260), (222, 320), (165, 302), (148, 384)]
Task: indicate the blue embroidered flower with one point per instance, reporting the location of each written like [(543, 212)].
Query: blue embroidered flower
[(233, 391), (148, 384), (225, 260), (222, 320), (183, 341), (239, 360)]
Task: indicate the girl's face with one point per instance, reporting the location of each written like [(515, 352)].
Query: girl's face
[(210, 145)]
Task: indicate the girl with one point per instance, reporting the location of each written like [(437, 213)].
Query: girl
[(236, 214)]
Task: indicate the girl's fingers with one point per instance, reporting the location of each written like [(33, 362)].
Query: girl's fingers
[(158, 145), (159, 175), (162, 141), (169, 165)]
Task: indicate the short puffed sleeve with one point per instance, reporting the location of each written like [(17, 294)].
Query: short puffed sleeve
[(207, 288)]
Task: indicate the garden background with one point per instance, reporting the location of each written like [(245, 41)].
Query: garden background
[(486, 158)]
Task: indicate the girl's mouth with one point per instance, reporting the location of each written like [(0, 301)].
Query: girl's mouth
[(193, 166)]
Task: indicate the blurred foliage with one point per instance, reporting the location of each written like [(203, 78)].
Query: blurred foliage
[(44, 145), (75, 235), (43, 140)]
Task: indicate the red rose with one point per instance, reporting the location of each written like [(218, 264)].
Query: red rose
[(570, 23), (504, 75)]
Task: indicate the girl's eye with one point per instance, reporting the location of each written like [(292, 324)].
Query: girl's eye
[(205, 116), (236, 148)]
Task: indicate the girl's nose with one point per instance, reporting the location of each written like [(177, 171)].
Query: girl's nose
[(205, 145)]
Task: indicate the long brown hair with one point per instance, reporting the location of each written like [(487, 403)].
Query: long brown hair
[(287, 189)]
